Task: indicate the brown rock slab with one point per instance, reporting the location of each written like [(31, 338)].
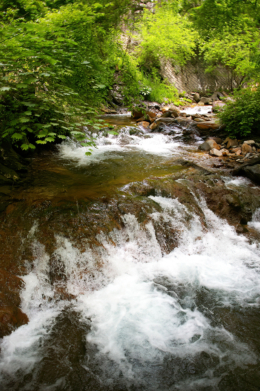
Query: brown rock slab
[(207, 125)]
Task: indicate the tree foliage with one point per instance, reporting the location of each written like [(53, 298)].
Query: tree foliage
[(57, 60)]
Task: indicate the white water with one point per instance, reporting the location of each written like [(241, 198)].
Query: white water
[(143, 304), (255, 223), (113, 146), (197, 110)]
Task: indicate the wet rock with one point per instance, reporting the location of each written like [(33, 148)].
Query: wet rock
[(160, 121), (253, 173), (208, 145), (11, 316), (250, 169), (215, 152), (233, 200)]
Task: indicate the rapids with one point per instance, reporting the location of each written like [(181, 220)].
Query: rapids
[(134, 278)]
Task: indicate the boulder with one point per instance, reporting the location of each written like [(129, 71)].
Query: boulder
[(215, 152), (209, 145), (253, 173), (249, 142)]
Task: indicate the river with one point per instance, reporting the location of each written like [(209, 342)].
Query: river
[(140, 269)]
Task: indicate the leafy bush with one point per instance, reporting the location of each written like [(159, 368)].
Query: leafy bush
[(159, 91), (52, 68), (242, 116)]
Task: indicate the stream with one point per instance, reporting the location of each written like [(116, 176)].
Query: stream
[(139, 265)]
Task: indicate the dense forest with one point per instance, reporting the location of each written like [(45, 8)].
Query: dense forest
[(61, 59)]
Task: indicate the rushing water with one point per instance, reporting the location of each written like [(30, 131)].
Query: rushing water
[(134, 316)]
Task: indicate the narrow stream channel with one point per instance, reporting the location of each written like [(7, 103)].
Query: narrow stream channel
[(136, 276)]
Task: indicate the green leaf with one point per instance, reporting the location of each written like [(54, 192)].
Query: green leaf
[(17, 136), (5, 88), (61, 136), (23, 119), (28, 113), (87, 153)]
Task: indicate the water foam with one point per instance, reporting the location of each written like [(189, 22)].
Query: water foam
[(144, 305)]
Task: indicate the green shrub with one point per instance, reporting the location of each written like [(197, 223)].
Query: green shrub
[(242, 116)]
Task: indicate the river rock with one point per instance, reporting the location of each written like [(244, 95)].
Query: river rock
[(253, 173), (251, 170), (249, 142), (144, 124), (151, 114), (215, 152), (199, 120), (209, 145), (207, 125), (153, 105), (206, 101), (161, 120), (231, 143), (175, 111), (246, 149), (217, 139), (196, 97)]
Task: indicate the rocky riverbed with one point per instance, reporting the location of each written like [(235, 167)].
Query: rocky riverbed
[(134, 268)]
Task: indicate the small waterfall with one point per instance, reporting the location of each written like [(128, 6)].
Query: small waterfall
[(148, 319)]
